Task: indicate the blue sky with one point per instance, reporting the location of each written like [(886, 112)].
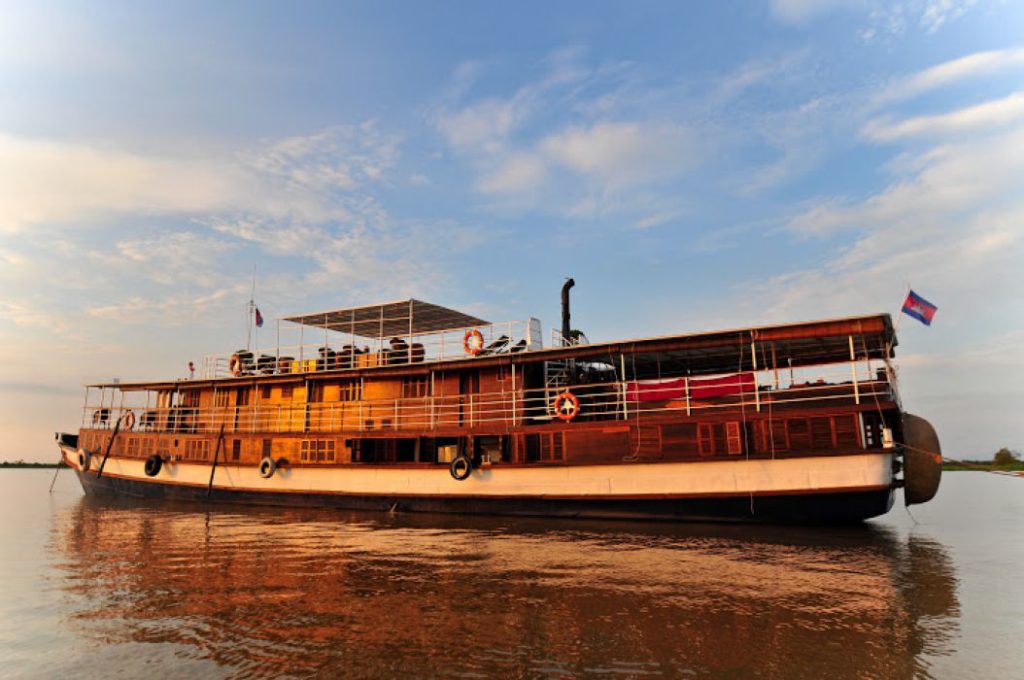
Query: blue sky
[(693, 167)]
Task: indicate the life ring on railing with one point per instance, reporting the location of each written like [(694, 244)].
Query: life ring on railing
[(461, 468), (473, 342), (128, 420), (235, 365), (567, 406), (84, 458), (267, 467), (153, 465)]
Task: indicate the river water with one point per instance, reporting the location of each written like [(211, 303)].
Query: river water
[(103, 588)]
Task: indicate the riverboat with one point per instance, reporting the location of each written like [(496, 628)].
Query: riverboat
[(411, 406)]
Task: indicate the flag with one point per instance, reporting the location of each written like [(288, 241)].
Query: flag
[(259, 318), (919, 308)]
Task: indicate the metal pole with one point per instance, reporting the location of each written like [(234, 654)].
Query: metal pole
[(757, 396), (853, 370), (216, 454), (625, 391), (686, 384), (515, 395)]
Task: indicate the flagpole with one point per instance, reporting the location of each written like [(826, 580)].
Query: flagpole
[(890, 369), (899, 313), (252, 301), (250, 308)]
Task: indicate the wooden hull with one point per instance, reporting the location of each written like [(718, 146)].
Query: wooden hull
[(830, 489)]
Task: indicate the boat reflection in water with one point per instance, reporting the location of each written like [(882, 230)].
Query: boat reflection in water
[(301, 592)]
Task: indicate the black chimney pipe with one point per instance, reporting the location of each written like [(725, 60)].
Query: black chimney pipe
[(566, 328)]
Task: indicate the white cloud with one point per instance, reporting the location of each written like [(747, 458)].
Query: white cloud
[(485, 125), (518, 173), (657, 219), (173, 310), (980, 117), (949, 72), (950, 179), (938, 12), (623, 153), (46, 182), (884, 16), (43, 181), (803, 11)]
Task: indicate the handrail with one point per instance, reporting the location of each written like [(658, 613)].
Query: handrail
[(338, 350), (600, 401)]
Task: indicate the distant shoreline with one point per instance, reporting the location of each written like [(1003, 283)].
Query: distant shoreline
[(23, 464), (980, 466)]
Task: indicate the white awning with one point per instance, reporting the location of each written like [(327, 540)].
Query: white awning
[(406, 317)]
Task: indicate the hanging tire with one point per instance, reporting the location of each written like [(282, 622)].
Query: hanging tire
[(461, 468), (267, 467), (84, 458), (153, 465)]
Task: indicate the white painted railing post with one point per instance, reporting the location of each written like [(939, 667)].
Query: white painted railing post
[(853, 370), (757, 394)]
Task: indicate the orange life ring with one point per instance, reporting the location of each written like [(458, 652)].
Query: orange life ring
[(473, 342), (128, 420), (235, 365), (567, 406)]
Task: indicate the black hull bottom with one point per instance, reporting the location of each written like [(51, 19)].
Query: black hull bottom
[(825, 508)]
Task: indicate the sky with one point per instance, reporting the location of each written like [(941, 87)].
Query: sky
[(692, 165)]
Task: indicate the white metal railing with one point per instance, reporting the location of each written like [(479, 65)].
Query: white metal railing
[(333, 350), (508, 407)]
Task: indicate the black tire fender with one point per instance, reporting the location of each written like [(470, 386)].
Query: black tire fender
[(153, 465), (461, 468)]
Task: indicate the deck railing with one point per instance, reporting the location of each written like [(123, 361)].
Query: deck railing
[(511, 407), (330, 350)]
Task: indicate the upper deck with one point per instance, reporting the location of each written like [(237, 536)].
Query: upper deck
[(368, 341), (389, 334)]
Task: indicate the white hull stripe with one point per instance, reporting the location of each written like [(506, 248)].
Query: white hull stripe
[(634, 480)]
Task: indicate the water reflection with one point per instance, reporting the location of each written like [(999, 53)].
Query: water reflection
[(281, 592)]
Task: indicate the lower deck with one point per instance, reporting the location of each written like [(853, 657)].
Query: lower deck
[(672, 437)]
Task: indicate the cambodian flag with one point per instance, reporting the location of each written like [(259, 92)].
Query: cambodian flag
[(919, 308), (259, 318)]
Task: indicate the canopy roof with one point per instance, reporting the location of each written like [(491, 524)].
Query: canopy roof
[(401, 318)]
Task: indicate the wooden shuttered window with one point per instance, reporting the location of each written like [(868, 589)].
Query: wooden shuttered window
[(317, 451), (542, 447)]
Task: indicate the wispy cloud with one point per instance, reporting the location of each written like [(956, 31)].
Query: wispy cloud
[(622, 153), (985, 116), (952, 71), (882, 16)]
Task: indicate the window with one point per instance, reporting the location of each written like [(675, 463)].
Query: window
[(265, 392), (222, 399), (543, 447), (190, 398), (236, 449), (733, 440), (415, 387), (317, 451), (267, 443), (350, 390), (197, 449), (286, 391)]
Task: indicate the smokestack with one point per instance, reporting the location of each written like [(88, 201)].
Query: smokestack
[(566, 328)]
